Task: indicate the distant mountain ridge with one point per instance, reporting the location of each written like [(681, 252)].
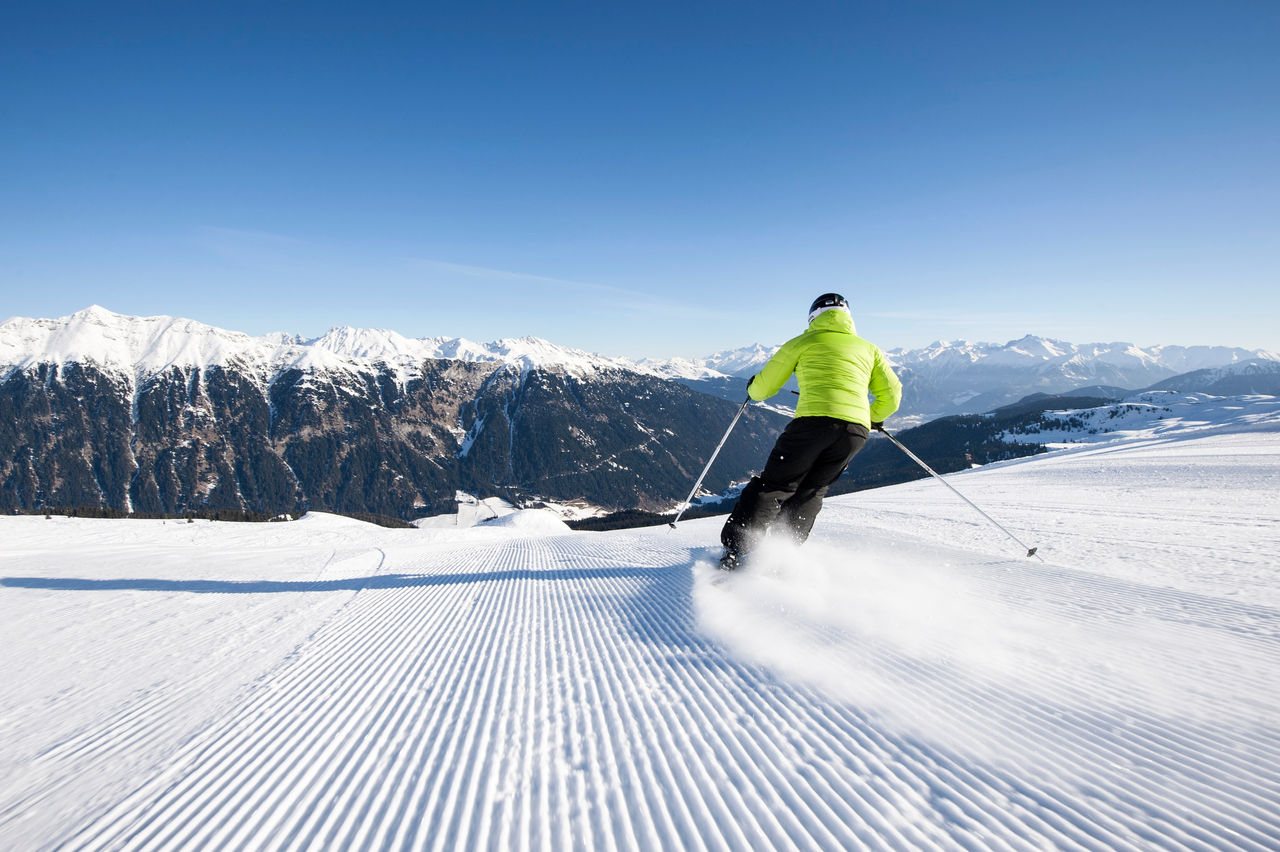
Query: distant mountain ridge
[(1044, 422), (1248, 377), (162, 415), (948, 377), (963, 377), (149, 345)]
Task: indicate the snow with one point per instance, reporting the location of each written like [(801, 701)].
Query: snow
[(1185, 359), (725, 364), (942, 359), (141, 347), (907, 680), (144, 346), (741, 362), (471, 511), (1151, 415), (496, 513), (150, 344), (681, 368), (531, 520), (469, 439)]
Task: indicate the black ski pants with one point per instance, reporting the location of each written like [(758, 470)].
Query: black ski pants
[(808, 457)]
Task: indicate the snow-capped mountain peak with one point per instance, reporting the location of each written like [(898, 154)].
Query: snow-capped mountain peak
[(961, 376), (741, 362), (944, 377), (145, 346), (1031, 349), (533, 352), (681, 368), (365, 344), (1038, 347)]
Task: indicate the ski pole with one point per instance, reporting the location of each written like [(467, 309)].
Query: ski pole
[(1031, 551), (689, 500)]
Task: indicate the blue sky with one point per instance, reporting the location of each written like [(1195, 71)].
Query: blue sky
[(649, 180)]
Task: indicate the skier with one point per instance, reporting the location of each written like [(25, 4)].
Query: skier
[(836, 371)]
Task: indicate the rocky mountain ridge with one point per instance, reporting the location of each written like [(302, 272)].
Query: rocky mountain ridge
[(167, 415), (161, 415), (146, 346)]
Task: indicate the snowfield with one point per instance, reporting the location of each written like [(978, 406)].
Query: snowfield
[(907, 680)]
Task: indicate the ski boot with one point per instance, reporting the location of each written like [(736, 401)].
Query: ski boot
[(731, 560)]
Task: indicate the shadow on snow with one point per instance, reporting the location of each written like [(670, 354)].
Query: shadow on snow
[(355, 584)]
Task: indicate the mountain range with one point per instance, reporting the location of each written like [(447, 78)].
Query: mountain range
[(963, 377), (156, 415), (160, 415)]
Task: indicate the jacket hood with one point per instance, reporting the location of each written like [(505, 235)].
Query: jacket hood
[(833, 320)]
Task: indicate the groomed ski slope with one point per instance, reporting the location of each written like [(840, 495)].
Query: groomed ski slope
[(906, 681)]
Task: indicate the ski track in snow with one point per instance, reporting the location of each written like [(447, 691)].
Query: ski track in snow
[(896, 684)]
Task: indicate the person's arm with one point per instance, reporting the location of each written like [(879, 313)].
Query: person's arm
[(774, 374), (885, 387)]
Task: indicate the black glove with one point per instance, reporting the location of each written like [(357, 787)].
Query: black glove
[(749, 381), (877, 425)]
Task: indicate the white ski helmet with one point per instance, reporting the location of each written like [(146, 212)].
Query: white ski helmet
[(828, 302)]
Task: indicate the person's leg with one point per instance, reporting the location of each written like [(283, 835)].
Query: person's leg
[(800, 510), (734, 532), (794, 454)]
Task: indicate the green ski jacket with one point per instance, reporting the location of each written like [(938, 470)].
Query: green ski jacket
[(836, 370)]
